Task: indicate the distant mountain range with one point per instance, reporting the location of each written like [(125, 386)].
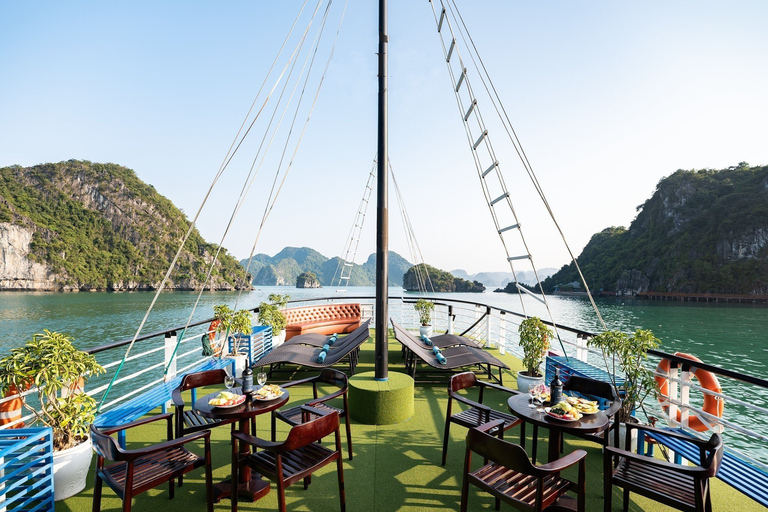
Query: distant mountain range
[(284, 268), (500, 279)]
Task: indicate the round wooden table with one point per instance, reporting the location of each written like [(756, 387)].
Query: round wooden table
[(588, 424), (251, 485)]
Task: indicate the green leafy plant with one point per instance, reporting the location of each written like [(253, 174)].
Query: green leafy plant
[(534, 340), (233, 323), (628, 352), (424, 308), (52, 364), (270, 314)]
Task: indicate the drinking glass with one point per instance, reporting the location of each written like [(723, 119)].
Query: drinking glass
[(261, 378), (532, 394), (229, 381)]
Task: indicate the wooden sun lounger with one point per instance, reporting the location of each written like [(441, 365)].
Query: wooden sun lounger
[(306, 355), (460, 356)]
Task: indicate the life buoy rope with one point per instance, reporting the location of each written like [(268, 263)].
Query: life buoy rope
[(713, 405)]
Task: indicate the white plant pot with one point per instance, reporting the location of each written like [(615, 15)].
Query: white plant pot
[(524, 382), (279, 339), (623, 438), (240, 360), (70, 469), (425, 330)]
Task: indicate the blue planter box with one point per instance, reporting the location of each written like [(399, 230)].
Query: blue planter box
[(26, 469), (256, 345)]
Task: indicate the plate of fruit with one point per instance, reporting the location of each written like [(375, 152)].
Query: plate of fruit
[(583, 405), (563, 411), (225, 399)]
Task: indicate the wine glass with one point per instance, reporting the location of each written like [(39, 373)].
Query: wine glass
[(261, 378), (229, 381), (532, 394)]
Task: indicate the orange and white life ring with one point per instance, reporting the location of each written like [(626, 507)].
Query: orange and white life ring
[(212, 329), (713, 405), (10, 411)]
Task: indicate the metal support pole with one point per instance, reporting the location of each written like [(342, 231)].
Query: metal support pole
[(382, 222)]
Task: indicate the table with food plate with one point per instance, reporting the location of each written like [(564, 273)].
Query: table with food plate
[(591, 423), (241, 408)]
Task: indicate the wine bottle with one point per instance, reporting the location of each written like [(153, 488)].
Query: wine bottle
[(556, 389), (247, 379)]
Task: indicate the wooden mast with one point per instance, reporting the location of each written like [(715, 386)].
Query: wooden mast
[(382, 215)]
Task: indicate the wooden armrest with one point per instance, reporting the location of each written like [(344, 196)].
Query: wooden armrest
[(143, 421), (325, 398), (563, 462), (294, 382), (490, 426), (258, 442), (498, 387), (471, 403), (643, 459), (176, 398), (135, 454), (676, 435)]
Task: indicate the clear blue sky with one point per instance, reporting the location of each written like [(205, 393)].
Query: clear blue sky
[(606, 97)]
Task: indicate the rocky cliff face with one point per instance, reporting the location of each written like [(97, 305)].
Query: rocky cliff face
[(702, 231), (84, 226), (17, 271), (307, 280)]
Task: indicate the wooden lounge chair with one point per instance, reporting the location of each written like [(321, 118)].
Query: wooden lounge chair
[(455, 357), (136, 471), (477, 414), (296, 458), (295, 415), (681, 487), (306, 355), (510, 477)]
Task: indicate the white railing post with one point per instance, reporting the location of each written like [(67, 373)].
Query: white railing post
[(450, 319), (581, 347), (488, 318), (672, 396), (502, 333), (170, 361)]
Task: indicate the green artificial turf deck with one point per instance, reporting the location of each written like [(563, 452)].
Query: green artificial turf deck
[(395, 467)]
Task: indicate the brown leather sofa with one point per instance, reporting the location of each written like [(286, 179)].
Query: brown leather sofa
[(323, 319)]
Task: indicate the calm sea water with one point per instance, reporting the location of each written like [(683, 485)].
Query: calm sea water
[(727, 335)]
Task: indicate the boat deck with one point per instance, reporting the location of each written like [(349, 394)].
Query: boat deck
[(395, 467)]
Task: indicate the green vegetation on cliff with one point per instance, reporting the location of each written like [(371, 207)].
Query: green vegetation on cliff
[(440, 280), (98, 226), (702, 231)]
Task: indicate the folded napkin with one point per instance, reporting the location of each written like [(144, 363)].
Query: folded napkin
[(326, 347), (426, 340), (441, 358), (321, 356)]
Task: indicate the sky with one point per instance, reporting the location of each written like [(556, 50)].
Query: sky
[(607, 98)]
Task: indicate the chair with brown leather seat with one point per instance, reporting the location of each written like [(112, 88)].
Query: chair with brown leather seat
[(329, 376), (297, 457), (136, 471), (510, 476), (477, 414), (679, 486)]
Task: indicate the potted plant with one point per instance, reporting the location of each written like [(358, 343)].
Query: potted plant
[(628, 353), (270, 314), (534, 340), (234, 324), (424, 308), (50, 363)]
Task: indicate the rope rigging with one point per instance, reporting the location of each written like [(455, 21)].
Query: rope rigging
[(232, 151)]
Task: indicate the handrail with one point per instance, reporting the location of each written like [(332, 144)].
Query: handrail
[(757, 381)]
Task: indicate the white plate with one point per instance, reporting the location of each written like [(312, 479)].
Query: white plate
[(268, 397), (240, 401), (558, 418)]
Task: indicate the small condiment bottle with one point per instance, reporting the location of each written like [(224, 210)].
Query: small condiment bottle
[(556, 389), (247, 380)]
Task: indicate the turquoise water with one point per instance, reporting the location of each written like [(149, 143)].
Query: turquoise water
[(728, 335)]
